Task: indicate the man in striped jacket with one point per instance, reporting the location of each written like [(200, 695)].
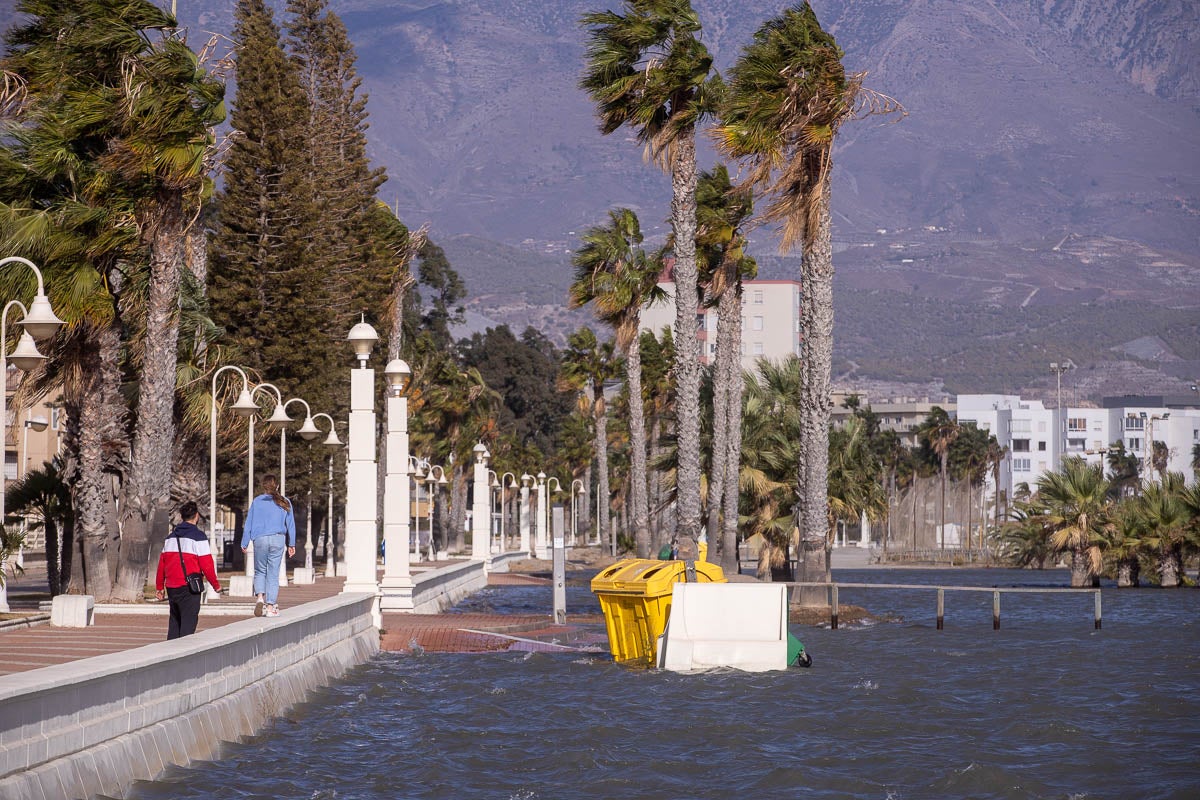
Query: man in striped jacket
[(185, 551)]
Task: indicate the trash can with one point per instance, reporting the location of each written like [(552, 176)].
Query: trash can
[(635, 596)]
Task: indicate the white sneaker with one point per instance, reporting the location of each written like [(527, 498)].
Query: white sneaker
[(272, 611), (259, 603)]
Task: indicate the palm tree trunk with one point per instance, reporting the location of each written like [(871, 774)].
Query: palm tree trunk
[(942, 509), (687, 363), (149, 483), (1081, 570), (638, 500), (1128, 573), (816, 322), (585, 503), (601, 447), (1168, 568), (729, 364)]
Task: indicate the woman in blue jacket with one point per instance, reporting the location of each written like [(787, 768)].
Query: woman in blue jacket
[(271, 525)]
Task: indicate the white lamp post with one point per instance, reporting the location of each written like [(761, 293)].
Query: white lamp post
[(504, 487), (546, 508), (397, 586), (430, 482), (523, 512), (417, 475), (244, 406), (332, 442), (575, 494), (40, 322), (362, 472), (308, 431), (481, 533), (541, 542)]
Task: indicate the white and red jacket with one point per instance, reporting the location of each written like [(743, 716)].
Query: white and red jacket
[(197, 557)]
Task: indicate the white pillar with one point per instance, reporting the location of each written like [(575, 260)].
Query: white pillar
[(541, 542), (481, 531), (523, 517), (397, 586), (361, 474)]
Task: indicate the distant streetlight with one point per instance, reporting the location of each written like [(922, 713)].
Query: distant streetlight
[(430, 482), (331, 443), (1058, 368), (504, 487), (575, 494)]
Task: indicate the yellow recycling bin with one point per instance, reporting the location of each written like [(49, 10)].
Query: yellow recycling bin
[(635, 596)]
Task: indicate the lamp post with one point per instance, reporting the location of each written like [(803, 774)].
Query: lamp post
[(504, 487), (558, 564), (397, 586), (308, 431), (37, 424), (40, 322), (278, 417), (331, 443), (1058, 368), (493, 525), (362, 472), (430, 482), (523, 512), (539, 542), (481, 534), (244, 406), (417, 476), (575, 494)]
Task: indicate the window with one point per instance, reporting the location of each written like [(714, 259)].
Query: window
[(1133, 423), (712, 349), (1042, 426), (1020, 465), (54, 417), (699, 322), (1076, 444), (758, 297), (10, 466), (758, 348), (756, 324), (1133, 444), (1041, 447), (1075, 424), (1020, 445), (1021, 426)]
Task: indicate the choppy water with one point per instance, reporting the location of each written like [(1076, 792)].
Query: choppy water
[(1045, 708)]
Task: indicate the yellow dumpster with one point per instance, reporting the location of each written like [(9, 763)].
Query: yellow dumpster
[(635, 596)]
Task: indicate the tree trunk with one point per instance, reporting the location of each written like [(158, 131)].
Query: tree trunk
[(601, 447), (639, 503), (100, 427), (942, 508), (729, 337), (1168, 568), (816, 321), (1128, 573), (53, 557), (1081, 570), (585, 504), (687, 363)]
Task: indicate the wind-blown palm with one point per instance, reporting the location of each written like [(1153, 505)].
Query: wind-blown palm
[(647, 69), (788, 94), (1164, 521), (617, 278), (1076, 500)]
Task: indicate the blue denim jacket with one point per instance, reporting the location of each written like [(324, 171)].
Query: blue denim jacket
[(265, 519)]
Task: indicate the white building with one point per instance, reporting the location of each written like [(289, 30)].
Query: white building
[(770, 321)]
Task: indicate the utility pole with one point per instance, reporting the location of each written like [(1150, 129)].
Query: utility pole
[(1058, 368)]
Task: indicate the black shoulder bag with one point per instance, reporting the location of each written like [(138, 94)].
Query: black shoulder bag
[(195, 580)]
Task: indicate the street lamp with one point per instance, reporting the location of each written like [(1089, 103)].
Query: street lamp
[(575, 494), (523, 515), (1058, 368), (417, 475), (278, 417), (481, 503), (40, 322), (504, 487), (245, 407), (429, 499), (331, 443), (37, 424), (362, 473), (397, 583)]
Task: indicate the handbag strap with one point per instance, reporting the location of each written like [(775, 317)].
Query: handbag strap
[(179, 547)]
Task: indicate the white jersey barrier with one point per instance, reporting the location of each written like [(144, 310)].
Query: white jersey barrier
[(739, 625)]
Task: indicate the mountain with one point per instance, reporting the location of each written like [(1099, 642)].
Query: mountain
[(1048, 166)]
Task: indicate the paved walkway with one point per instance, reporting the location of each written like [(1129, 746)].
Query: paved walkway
[(25, 647)]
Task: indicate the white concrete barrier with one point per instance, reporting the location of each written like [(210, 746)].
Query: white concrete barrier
[(302, 576), (437, 589), (739, 625), (73, 611), (96, 725), (241, 586)]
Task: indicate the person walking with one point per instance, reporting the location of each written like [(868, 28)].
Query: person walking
[(271, 525), (185, 552)]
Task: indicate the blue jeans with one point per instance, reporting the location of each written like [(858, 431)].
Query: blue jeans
[(268, 553)]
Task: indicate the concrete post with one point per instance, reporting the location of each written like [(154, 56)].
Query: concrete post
[(361, 475), (481, 531), (523, 514), (397, 586), (559, 568), (541, 540)]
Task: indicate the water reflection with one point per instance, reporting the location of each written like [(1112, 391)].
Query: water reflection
[(1044, 708)]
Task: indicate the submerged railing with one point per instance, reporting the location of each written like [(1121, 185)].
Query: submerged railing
[(941, 596)]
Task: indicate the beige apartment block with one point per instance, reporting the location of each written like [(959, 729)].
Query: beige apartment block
[(32, 435), (770, 321)]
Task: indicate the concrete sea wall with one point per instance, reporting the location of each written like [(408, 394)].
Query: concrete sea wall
[(96, 725)]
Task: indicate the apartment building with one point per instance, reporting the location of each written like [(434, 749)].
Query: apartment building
[(901, 415), (770, 320), (31, 435)]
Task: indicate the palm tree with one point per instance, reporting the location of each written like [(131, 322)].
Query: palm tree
[(854, 478), (788, 94), (939, 432), (721, 213), (1076, 499), (1124, 469), (1124, 543), (995, 458), (1025, 538), (1164, 521), (42, 495), (587, 365), (615, 275), (647, 69)]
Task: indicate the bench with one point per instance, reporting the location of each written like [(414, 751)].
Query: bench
[(73, 611)]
